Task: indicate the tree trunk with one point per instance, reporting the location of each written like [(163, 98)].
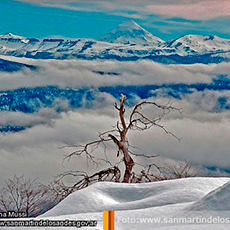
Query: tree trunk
[(129, 163), (128, 170)]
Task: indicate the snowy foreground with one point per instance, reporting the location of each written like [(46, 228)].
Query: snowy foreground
[(134, 204)]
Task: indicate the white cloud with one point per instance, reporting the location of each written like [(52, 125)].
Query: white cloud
[(35, 151), (193, 10), (188, 9), (80, 73)]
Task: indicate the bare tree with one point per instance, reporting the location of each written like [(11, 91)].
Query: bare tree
[(137, 120), (83, 180), (25, 195), (154, 172)]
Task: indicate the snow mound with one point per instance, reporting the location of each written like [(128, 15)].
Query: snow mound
[(131, 33), (216, 200), (116, 196)]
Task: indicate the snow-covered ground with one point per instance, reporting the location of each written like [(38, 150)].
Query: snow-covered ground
[(151, 205)]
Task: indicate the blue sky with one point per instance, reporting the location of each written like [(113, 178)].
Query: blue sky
[(93, 19)]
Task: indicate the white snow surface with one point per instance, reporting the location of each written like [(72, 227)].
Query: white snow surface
[(180, 198), (199, 44), (120, 196), (10, 36), (216, 200), (131, 33)]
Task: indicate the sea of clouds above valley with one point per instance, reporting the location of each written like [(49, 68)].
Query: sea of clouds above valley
[(36, 151), (80, 73)]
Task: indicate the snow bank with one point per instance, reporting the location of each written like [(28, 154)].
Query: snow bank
[(216, 200), (165, 199), (115, 196)]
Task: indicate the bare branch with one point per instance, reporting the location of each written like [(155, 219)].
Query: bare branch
[(137, 120), (25, 195), (142, 155)]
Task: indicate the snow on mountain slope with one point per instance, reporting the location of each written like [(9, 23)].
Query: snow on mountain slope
[(11, 66), (13, 38), (198, 44), (131, 33), (15, 45), (129, 42)]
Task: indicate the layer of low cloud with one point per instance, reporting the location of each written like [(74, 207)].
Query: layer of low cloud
[(79, 73), (35, 152)]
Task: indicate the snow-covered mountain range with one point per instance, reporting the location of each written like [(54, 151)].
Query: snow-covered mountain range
[(128, 42)]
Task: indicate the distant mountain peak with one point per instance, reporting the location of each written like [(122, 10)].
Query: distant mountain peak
[(10, 36), (130, 25), (194, 37), (199, 44), (129, 32)]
